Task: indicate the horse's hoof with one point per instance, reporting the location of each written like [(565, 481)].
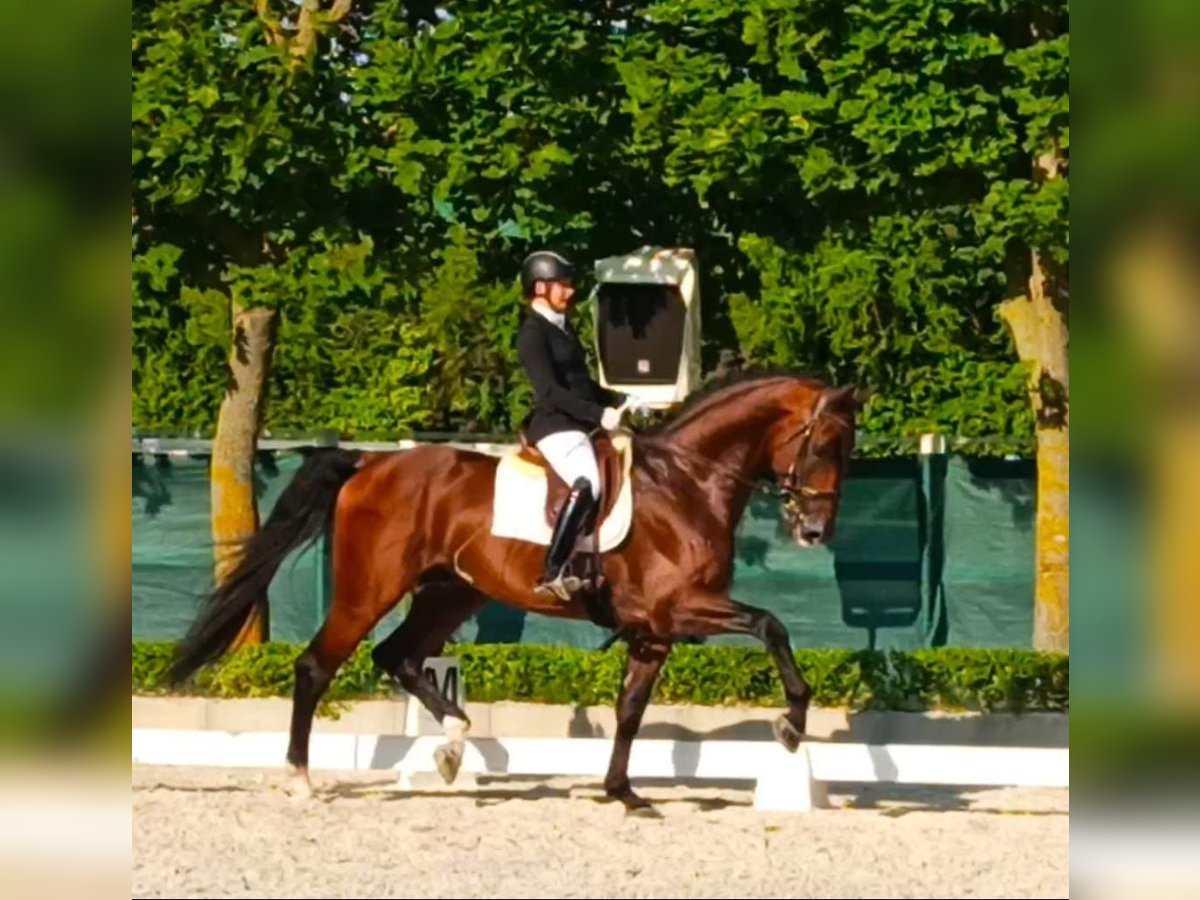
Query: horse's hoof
[(787, 733), (634, 805), (448, 759), (299, 788)]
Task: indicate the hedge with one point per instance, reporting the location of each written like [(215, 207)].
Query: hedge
[(1005, 680)]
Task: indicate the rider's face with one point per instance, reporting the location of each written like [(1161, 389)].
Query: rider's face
[(558, 295)]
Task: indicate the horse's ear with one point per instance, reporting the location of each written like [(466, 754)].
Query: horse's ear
[(849, 397), (844, 397)]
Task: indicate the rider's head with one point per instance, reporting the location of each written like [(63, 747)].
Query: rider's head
[(548, 276)]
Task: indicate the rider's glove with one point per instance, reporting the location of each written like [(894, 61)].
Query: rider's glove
[(611, 419)]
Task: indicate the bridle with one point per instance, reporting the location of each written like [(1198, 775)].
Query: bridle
[(792, 489)]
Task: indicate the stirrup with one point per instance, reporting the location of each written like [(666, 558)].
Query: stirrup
[(564, 587)]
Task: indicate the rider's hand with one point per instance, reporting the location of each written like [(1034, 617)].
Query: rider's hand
[(611, 419)]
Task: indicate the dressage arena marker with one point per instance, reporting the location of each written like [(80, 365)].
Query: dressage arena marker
[(792, 782), (445, 674)]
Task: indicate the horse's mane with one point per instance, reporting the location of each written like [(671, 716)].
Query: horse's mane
[(719, 389)]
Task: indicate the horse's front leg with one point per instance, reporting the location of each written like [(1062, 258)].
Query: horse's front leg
[(645, 661), (704, 613)]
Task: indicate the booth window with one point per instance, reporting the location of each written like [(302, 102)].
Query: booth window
[(640, 333)]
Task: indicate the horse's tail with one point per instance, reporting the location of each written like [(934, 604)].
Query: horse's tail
[(301, 515)]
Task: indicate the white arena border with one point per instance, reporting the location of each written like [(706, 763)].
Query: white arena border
[(792, 782)]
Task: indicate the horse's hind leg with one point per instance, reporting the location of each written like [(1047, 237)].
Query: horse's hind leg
[(707, 613), (439, 607), (366, 585), (315, 668)]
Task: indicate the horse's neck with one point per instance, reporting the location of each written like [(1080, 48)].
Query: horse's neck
[(733, 438), (734, 432)]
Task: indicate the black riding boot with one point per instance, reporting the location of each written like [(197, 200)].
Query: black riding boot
[(575, 513)]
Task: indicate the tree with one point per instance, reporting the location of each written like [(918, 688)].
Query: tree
[(1038, 321), (238, 132), (1036, 313), (855, 181), (876, 162)]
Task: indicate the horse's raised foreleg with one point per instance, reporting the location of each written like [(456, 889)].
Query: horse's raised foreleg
[(704, 613), (642, 666), (438, 608)]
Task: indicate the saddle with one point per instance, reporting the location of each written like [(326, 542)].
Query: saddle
[(528, 494), (612, 476)]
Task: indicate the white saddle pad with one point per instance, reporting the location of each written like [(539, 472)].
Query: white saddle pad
[(519, 501)]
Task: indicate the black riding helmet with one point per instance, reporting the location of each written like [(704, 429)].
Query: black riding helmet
[(545, 265)]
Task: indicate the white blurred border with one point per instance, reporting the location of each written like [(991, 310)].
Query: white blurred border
[(1135, 857)]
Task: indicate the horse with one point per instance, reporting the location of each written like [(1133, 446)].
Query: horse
[(418, 521)]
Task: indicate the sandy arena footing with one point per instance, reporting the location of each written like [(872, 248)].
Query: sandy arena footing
[(234, 833)]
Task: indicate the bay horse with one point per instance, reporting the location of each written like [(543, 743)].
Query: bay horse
[(413, 520)]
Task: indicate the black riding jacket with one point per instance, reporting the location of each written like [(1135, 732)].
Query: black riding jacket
[(566, 397)]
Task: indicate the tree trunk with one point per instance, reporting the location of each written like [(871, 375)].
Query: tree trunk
[(234, 507), (1039, 327)]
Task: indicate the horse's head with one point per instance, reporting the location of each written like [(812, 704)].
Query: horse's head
[(795, 429), (809, 453)]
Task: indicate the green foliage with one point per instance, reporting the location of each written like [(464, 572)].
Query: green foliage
[(952, 678), (855, 180)]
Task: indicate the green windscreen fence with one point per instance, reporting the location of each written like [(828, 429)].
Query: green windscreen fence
[(929, 551)]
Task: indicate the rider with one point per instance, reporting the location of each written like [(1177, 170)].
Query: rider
[(568, 404)]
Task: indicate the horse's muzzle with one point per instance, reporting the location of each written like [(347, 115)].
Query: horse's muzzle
[(811, 531)]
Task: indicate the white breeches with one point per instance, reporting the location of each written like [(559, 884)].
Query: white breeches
[(570, 454)]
